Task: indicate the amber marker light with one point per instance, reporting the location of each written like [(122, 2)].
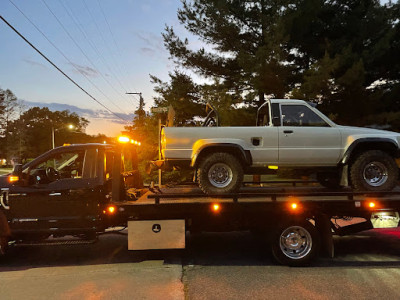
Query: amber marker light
[(371, 204), (294, 206), (111, 209), (216, 208), (273, 167), (13, 178)]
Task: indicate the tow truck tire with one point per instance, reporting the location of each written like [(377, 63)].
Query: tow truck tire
[(296, 243), (3, 245), (220, 173), (374, 170)]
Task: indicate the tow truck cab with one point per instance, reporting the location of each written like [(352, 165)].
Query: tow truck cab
[(68, 191)]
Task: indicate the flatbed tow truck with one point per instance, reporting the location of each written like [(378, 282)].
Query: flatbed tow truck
[(74, 194)]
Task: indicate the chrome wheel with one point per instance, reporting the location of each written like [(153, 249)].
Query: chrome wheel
[(375, 173), (220, 175), (295, 242)]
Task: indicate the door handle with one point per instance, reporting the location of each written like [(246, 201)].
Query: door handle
[(288, 131), (55, 194)]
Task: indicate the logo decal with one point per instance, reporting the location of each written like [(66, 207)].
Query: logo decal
[(156, 228)]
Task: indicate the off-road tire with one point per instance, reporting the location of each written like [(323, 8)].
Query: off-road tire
[(374, 159), (329, 180), (230, 166), (295, 243)]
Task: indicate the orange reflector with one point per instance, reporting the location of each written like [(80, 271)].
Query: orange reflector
[(111, 209), (216, 207), (13, 178)]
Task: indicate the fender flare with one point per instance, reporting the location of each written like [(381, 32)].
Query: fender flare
[(346, 157), (246, 156)]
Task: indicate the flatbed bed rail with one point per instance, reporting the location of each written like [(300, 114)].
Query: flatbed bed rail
[(273, 195)]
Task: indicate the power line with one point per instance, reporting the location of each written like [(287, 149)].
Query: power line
[(61, 71), (83, 53), (101, 35), (91, 44), (62, 53), (113, 38)]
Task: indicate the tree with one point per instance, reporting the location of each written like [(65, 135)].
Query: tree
[(345, 55), (348, 52), (245, 38), (31, 134), (182, 94)]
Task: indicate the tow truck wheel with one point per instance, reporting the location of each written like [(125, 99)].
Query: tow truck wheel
[(220, 173), (374, 170), (3, 245), (296, 243)]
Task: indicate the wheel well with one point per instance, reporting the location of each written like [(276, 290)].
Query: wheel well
[(239, 153), (386, 147)]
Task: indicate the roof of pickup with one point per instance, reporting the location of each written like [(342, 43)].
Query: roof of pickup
[(293, 101)]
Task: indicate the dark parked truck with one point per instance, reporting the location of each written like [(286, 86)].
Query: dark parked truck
[(73, 194)]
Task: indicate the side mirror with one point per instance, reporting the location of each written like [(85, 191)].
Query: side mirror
[(17, 171), (276, 121)]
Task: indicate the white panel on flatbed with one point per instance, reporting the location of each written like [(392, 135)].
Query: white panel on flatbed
[(156, 234)]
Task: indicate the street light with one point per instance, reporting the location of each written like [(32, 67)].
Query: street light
[(53, 130)]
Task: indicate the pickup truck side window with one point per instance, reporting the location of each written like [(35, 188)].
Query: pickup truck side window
[(263, 115), (301, 115), (57, 166)]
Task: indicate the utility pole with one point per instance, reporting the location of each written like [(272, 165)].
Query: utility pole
[(141, 101)]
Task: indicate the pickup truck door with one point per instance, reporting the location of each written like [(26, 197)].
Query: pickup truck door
[(264, 138), (305, 139), (58, 203)]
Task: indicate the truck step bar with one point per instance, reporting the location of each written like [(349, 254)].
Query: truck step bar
[(55, 242)]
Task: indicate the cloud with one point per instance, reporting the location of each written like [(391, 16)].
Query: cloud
[(83, 112), (33, 63), (151, 40), (147, 51), (85, 70)]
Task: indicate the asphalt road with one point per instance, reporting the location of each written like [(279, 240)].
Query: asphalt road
[(214, 266)]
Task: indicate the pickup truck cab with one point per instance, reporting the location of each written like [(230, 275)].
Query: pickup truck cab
[(66, 192), (288, 134)]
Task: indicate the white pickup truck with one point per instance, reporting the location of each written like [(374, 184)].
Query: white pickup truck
[(288, 134)]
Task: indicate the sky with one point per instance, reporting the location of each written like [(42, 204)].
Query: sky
[(109, 47)]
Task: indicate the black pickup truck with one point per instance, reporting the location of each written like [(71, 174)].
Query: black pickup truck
[(66, 191)]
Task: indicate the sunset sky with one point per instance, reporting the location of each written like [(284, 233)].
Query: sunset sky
[(108, 47)]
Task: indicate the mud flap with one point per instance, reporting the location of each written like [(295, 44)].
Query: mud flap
[(4, 228), (344, 176), (323, 225)]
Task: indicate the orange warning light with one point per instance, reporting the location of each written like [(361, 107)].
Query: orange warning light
[(216, 207), (111, 209)]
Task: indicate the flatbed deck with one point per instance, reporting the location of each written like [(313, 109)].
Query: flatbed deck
[(190, 194), (189, 202)]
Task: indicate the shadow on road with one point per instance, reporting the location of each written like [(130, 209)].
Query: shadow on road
[(370, 249)]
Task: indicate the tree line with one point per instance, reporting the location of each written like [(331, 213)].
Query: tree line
[(27, 133), (343, 55)]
